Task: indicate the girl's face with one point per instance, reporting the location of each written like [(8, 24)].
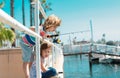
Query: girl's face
[(51, 29), (46, 52)]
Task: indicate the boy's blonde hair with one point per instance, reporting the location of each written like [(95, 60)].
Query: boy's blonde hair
[(52, 21)]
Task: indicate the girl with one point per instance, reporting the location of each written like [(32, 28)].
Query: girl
[(27, 42), (44, 53)]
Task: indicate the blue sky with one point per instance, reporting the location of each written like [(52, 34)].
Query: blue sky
[(76, 14)]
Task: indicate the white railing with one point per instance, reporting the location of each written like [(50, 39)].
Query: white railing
[(96, 48), (38, 63), (6, 19)]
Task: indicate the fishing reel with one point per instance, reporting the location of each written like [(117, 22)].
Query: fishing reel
[(54, 38)]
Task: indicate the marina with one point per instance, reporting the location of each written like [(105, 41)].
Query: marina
[(59, 39)]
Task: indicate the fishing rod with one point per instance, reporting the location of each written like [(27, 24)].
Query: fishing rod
[(75, 32)]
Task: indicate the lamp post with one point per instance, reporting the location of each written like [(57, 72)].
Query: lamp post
[(91, 31), (90, 53)]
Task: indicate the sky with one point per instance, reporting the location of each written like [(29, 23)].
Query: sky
[(76, 16)]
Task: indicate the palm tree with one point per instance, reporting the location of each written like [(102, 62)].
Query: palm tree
[(12, 14), (23, 12), (12, 8), (103, 38), (46, 7), (31, 13), (6, 35), (2, 4)]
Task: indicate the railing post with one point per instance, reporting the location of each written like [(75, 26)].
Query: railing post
[(38, 64)]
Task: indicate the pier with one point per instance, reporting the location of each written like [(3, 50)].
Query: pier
[(95, 49), (74, 56)]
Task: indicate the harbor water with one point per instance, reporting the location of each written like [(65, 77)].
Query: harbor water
[(77, 66)]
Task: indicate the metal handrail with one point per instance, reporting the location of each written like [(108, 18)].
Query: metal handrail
[(7, 19)]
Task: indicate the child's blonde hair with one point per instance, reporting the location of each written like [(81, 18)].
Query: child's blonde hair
[(52, 21)]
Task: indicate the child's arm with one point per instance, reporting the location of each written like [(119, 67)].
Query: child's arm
[(43, 67), (42, 33)]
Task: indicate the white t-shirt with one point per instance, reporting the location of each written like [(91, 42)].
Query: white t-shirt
[(33, 67)]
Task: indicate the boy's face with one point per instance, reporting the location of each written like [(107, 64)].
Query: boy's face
[(46, 52), (51, 29)]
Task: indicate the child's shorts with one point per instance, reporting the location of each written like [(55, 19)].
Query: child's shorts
[(27, 52)]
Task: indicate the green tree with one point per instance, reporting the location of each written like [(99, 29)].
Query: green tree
[(110, 43), (12, 14), (2, 4), (47, 7), (6, 34), (31, 13), (99, 42), (23, 12), (103, 39)]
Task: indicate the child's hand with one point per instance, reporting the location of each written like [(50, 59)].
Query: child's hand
[(42, 33), (48, 36)]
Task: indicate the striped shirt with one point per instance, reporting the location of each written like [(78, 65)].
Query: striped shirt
[(33, 67), (30, 40)]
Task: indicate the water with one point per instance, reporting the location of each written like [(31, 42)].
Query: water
[(77, 67)]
